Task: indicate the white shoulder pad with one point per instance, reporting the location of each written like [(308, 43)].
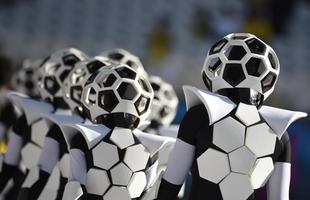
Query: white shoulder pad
[(33, 109), (218, 106), (153, 142), (171, 131), (92, 133), (279, 119), (58, 119)]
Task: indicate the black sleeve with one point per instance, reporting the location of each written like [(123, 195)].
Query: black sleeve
[(8, 115), (195, 118), (20, 125), (285, 155), (168, 191), (36, 189), (7, 172)]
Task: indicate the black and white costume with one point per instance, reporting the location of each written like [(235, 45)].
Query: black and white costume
[(49, 173), (113, 159), (231, 149), (230, 142)]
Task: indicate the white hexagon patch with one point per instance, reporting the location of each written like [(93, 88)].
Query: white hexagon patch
[(213, 165), (134, 152), (248, 114), (236, 187), (97, 181), (228, 134), (242, 160), (105, 155), (260, 139), (120, 174), (122, 137)]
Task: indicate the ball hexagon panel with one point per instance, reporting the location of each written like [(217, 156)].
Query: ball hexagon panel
[(51, 85), (248, 114), (97, 181), (122, 137), (256, 46), (120, 174), (260, 139), (137, 184), (107, 100), (228, 134), (233, 74), (105, 155), (142, 104), (133, 152), (268, 81), (213, 165), (261, 172), (218, 46), (236, 187), (235, 52), (127, 91), (126, 72), (95, 65), (255, 67), (242, 160), (117, 192)]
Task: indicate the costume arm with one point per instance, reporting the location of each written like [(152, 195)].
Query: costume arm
[(75, 188), (34, 185), (12, 156), (182, 156), (279, 183)]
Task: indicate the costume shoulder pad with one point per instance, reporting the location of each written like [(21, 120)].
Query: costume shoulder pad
[(217, 106), (62, 121), (92, 133), (153, 142), (279, 119), (33, 109)]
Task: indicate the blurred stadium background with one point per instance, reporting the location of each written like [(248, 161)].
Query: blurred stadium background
[(172, 38)]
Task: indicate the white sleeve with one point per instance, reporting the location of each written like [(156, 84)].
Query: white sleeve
[(49, 155), (279, 183), (179, 163), (13, 153), (78, 168)]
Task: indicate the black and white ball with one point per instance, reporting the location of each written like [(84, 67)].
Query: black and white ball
[(165, 103), (241, 60), (25, 80), (119, 89), (74, 84), (54, 71)]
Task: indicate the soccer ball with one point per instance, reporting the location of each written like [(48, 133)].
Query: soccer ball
[(54, 71), (165, 102), (241, 60), (124, 57), (117, 89), (25, 80), (74, 84)]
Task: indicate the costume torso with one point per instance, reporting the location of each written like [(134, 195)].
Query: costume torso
[(236, 147), (121, 163)]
